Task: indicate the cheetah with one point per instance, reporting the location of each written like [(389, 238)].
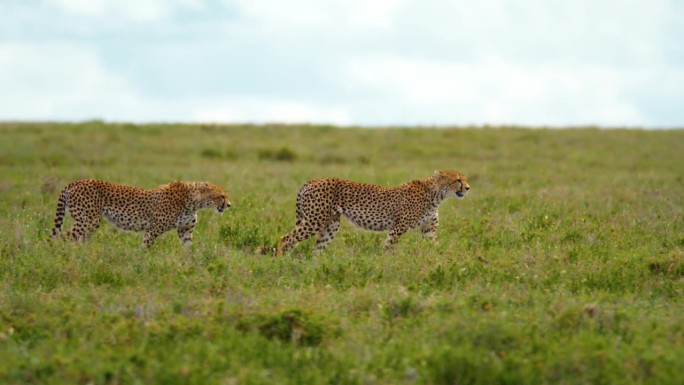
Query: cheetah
[(153, 211), (321, 202)]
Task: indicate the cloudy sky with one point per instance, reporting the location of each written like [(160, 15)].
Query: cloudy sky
[(360, 62)]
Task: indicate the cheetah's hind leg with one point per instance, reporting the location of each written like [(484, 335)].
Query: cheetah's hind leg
[(86, 221), (149, 236), (327, 234), (302, 231), (60, 213), (393, 237)]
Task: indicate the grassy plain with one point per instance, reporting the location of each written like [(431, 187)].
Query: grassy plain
[(564, 265)]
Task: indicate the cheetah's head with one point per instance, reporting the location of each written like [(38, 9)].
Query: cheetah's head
[(452, 182), (210, 195)]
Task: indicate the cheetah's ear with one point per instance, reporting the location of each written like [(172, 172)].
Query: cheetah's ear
[(438, 175)]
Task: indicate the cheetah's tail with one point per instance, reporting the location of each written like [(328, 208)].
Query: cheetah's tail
[(59, 215)]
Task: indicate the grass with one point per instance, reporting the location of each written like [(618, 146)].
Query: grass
[(564, 265)]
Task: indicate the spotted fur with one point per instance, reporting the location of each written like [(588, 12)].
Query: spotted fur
[(152, 211), (321, 202)]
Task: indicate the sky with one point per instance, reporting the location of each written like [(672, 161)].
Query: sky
[(611, 63)]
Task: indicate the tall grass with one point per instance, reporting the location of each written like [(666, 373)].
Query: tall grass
[(564, 264)]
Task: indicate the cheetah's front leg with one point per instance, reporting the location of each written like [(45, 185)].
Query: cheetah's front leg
[(429, 230), (185, 232)]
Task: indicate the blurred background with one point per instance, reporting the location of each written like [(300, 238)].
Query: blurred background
[(345, 62)]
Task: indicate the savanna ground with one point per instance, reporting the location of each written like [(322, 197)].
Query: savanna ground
[(564, 264)]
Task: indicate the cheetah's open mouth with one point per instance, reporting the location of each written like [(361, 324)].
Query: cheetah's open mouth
[(460, 194)]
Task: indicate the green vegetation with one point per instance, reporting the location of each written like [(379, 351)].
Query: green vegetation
[(564, 265)]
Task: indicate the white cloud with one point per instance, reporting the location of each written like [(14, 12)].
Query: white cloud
[(302, 14), (76, 85), (58, 81), (264, 110), (496, 92), (347, 62), (135, 10), (377, 13)]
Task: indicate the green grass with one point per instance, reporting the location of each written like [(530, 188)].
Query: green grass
[(564, 265)]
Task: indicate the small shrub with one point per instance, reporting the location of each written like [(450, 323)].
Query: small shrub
[(439, 278), (283, 154), (572, 236), (333, 273), (332, 159), (212, 153), (50, 185), (245, 236), (671, 265), (402, 308), (292, 325), (103, 275), (363, 160)]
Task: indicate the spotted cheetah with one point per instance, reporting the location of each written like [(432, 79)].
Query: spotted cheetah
[(321, 202), (153, 211)]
